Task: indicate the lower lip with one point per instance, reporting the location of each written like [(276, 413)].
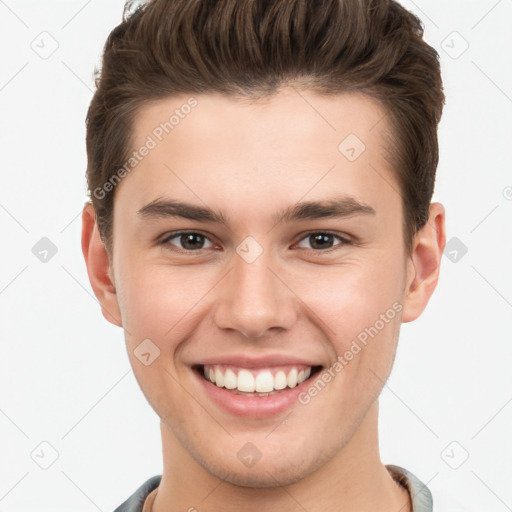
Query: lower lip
[(252, 406)]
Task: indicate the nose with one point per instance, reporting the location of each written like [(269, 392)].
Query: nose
[(255, 299)]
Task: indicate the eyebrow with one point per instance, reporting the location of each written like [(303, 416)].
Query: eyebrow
[(309, 210)]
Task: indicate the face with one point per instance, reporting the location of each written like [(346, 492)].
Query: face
[(286, 272)]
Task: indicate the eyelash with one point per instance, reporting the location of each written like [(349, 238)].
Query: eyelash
[(175, 234)]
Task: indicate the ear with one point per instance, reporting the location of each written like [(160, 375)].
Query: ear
[(98, 266), (424, 263)]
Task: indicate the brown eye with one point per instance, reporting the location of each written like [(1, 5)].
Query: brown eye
[(187, 240), (321, 241)]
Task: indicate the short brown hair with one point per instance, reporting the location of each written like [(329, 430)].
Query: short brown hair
[(248, 49)]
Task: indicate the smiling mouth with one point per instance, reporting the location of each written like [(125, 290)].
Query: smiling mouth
[(256, 382)]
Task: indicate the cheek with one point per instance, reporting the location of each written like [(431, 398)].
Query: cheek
[(162, 303), (361, 305), (351, 298), (373, 317), (152, 301), (157, 304)]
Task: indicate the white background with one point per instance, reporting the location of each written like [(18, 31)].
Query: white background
[(64, 372)]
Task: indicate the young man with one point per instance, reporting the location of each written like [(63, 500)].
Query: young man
[(261, 176)]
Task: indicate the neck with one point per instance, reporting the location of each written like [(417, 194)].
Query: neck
[(353, 480)]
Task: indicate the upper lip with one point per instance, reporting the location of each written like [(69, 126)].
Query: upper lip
[(246, 361)]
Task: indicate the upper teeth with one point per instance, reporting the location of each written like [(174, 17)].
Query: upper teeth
[(261, 381)]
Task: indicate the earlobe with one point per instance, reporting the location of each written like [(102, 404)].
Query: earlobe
[(424, 263), (98, 267)]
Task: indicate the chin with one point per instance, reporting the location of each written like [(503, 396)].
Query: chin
[(267, 476), (268, 472)]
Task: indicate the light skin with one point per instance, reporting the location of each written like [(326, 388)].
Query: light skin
[(252, 161)]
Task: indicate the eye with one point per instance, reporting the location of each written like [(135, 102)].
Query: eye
[(191, 241), (322, 240)]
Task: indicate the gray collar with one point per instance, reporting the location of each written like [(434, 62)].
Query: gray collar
[(421, 497)]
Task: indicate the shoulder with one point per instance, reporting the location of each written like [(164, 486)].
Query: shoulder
[(434, 498), (420, 494), (136, 501)]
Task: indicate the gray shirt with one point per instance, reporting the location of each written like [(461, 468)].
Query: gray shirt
[(421, 497)]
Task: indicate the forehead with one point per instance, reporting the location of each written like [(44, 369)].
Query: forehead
[(291, 114), (274, 150)]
